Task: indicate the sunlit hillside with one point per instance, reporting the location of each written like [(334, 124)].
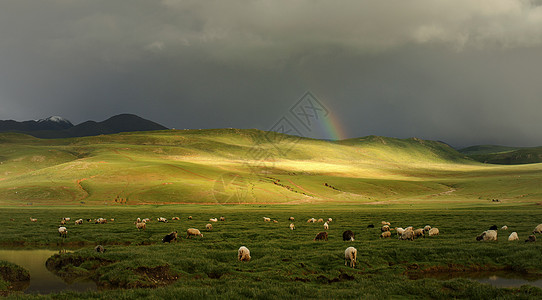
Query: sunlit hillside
[(249, 166)]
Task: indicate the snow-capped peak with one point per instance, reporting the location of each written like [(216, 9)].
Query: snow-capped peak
[(55, 119)]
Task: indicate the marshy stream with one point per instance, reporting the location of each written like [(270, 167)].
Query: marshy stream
[(42, 281)]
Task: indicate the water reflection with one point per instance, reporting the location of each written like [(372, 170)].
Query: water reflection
[(41, 280)]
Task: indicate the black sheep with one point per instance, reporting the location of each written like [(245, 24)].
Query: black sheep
[(170, 237), (348, 235), (494, 227), (321, 236)]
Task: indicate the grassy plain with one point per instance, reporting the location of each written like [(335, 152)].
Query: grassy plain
[(285, 263)]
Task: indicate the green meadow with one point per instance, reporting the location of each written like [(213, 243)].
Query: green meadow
[(245, 175), (285, 263)]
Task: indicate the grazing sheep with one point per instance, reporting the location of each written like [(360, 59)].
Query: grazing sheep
[(329, 220), (141, 225), (399, 231), (407, 235), (410, 228), (266, 219), (513, 236), (209, 226), (493, 227), (311, 220), (427, 228), (350, 255), (275, 221), (63, 232), (488, 235), (433, 231), (66, 219), (99, 249), (175, 219), (189, 217), (531, 239), (33, 220), (419, 232), (243, 254), (112, 220), (370, 226), (213, 220), (504, 227), (193, 232), (79, 222), (146, 220), (348, 235), (326, 226), (537, 229), (163, 220), (89, 220), (320, 220), (385, 228), (385, 223), (170, 237), (385, 234), (291, 219), (321, 236), (62, 222), (292, 226), (138, 220), (222, 219), (100, 221)]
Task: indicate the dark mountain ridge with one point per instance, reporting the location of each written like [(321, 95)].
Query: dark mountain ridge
[(57, 127)]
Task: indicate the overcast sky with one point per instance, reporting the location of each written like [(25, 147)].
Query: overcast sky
[(461, 71)]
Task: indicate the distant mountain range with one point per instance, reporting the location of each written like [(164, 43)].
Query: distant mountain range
[(504, 155), (58, 127)]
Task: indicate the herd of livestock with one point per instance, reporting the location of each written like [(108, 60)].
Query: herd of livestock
[(350, 254)]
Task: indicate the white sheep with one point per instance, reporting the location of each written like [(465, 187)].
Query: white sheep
[(433, 231), (141, 225), (385, 228), (419, 232), (320, 220), (79, 222), (213, 220), (350, 255), (162, 219), (385, 223), (488, 235), (266, 219), (193, 232), (399, 230), (311, 220), (66, 219), (292, 226), (243, 254), (538, 229), (513, 236), (326, 226), (504, 227), (209, 226), (329, 220), (63, 231), (33, 220), (427, 228), (385, 234)]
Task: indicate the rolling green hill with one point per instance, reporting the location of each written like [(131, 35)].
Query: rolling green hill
[(504, 155), (249, 166)]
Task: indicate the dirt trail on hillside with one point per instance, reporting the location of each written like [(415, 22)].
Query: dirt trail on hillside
[(86, 193)]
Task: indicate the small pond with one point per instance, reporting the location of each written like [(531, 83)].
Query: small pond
[(42, 281), (501, 279)]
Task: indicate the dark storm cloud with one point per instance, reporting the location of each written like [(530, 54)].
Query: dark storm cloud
[(465, 72)]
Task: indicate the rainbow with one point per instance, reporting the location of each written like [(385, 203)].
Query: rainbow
[(333, 127)]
